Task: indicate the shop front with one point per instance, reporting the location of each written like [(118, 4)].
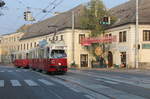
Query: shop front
[(102, 57)]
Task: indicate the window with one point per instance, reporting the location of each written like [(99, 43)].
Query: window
[(31, 45), (49, 39), (61, 37), (18, 48), (27, 46), (123, 36), (14, 39), (81, 36), (35, 44), (56, 38), (146, 35), (21, 46), (24, 46)]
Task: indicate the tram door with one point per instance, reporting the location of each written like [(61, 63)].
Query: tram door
[(84, 60)]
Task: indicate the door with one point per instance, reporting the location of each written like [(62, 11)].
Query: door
[(110, 59), (123, 59), (84, 60)]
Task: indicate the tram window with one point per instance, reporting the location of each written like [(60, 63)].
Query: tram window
[(27, 55), (41, 53), (58, 54), (47, 52)]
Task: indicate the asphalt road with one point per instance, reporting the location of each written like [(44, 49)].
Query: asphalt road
[(18, 83)]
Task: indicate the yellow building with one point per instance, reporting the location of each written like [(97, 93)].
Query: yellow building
[(64, 27), (9, 43), (122, 52)]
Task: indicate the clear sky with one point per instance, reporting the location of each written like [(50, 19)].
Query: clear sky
[(13, 16)]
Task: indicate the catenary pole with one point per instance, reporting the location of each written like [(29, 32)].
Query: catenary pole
[(137, 36), (73, 26)]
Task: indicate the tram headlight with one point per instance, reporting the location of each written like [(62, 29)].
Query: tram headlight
[(59, 64)]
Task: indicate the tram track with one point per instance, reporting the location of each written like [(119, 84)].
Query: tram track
[(77, 84), (82, 86)]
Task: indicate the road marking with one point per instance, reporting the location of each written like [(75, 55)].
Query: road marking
[(9, 71), (17, 70), (15, 83), (1, 83), (89, 97), (108, 81), (68, 85), (116, 80), (46, 82), (31, 83), (25, 70)]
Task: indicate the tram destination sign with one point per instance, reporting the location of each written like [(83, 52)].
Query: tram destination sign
[(43, 43)]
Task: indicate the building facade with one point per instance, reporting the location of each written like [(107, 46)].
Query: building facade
[(78, 54), (122, 52), (9, 43), (59, 28)]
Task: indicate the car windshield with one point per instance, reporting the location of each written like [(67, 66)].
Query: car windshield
[(58, 54)]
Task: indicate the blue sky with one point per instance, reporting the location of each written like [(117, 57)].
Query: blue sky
[(13, 13)]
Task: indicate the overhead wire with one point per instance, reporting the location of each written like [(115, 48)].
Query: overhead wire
[(55, 5), (44, 9)]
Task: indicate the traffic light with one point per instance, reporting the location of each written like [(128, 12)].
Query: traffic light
[(2, 3), (28, 16), (105, 21), (25, 16)]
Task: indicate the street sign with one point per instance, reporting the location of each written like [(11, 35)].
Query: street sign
[(145, 46), (89, 41)]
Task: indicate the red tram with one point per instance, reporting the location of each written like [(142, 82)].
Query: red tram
[(50, 58), (21, 60)]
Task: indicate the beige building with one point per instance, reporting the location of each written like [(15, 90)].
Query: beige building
[(122, 52), (59, 28), (8, 45)]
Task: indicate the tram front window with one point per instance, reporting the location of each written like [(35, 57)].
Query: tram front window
[(58, 54)]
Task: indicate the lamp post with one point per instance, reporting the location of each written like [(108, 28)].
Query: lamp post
[(137, 36)]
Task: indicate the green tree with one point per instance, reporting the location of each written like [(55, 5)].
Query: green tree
[(94, 12)]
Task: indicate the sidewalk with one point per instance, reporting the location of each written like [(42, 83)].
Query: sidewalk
[(122, 70)]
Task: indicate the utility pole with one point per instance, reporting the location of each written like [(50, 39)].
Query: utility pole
[(73, 26), (137, 36)]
